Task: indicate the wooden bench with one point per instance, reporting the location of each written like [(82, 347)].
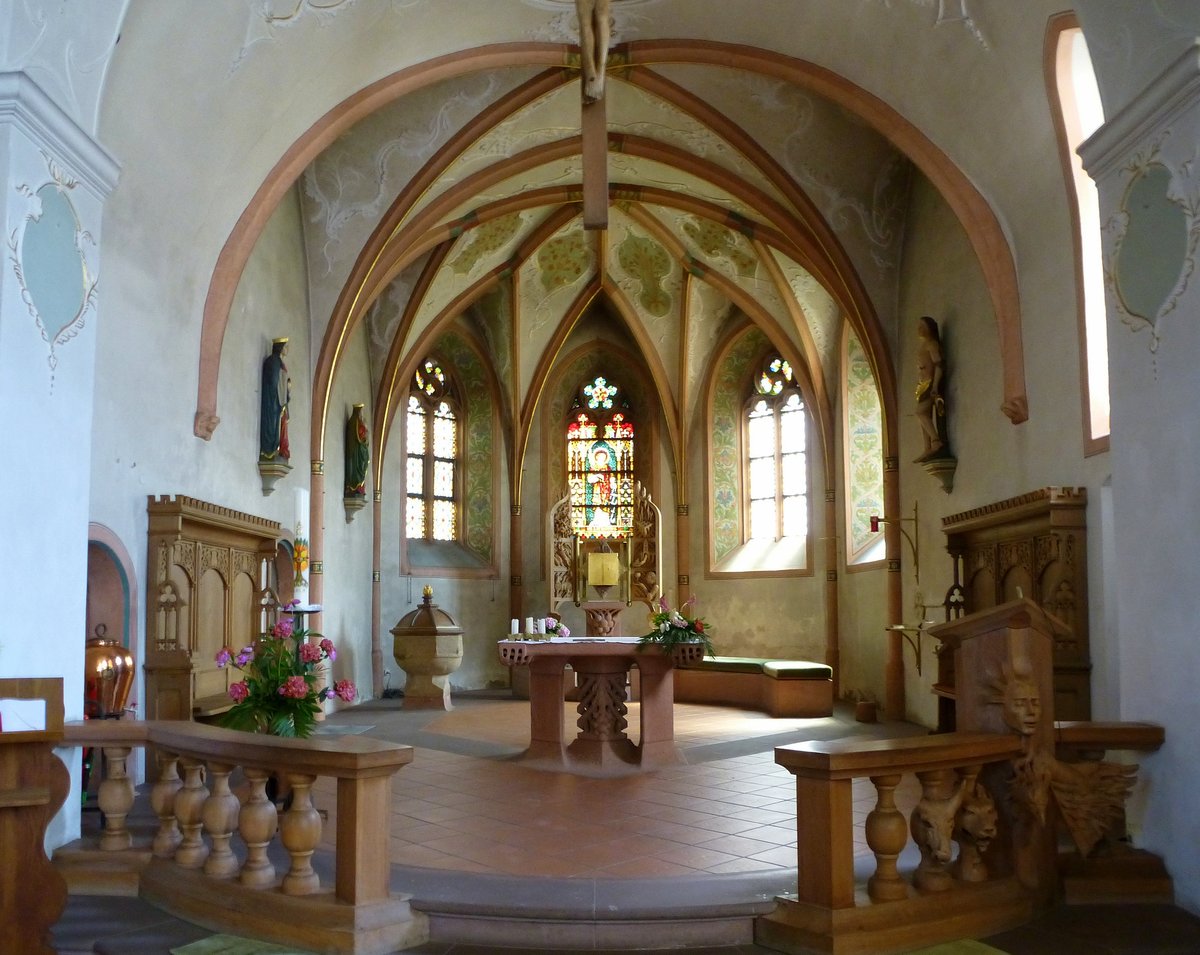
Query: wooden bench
[(781, 688)]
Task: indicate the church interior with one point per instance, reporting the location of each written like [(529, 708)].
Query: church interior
[(831, 325)]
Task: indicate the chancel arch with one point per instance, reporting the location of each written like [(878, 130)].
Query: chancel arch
[(977, 217)]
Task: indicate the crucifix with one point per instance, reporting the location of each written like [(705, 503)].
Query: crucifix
[(594, 32)]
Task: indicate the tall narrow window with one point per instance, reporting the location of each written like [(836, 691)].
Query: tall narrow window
[(600, 462), (776, 426), (432, 454), (1075, 104)]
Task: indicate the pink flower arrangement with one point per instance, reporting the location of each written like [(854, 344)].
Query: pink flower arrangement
[(278, 693), (671, 627)]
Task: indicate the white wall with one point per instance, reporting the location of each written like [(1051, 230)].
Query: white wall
[(1155, 449)]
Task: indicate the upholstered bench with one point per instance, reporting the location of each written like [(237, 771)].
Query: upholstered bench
[(795, 688)]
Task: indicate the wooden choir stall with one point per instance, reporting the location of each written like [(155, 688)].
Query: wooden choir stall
[(208, 588)]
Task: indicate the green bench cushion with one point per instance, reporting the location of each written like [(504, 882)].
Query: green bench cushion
[(730, 664), (797, 670), (776, 669)]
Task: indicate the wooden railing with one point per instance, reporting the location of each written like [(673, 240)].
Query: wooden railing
[(940, 900), (193, 868)]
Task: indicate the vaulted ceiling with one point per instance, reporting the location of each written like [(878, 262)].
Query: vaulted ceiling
[(730, 192)]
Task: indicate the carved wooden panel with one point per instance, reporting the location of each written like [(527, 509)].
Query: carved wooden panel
[(208, 578), (1034, 546)]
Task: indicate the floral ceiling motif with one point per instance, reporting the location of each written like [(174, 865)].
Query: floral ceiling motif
[(647, 262), (563, 259), (485, 241)]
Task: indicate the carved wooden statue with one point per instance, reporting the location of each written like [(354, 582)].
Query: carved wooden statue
[(974, 830)]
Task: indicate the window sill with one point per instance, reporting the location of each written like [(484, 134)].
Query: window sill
[(788, 555), (449, 558)]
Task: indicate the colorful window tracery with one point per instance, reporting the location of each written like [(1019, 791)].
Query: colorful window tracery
[(600, 464)]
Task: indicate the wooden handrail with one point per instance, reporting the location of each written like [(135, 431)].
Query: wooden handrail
[(1087, 735), (195, 874), (851, 759), (343, 757)]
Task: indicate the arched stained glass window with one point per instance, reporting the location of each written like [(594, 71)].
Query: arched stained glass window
[(776, 432), (600, 463), (431, 456)]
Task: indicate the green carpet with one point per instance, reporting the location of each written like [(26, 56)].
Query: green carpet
[(964, 947), (232, 945)]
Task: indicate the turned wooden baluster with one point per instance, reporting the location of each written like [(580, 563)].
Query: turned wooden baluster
[(162, 801), (887, 833), (220, 816), (189, 811), (300, 831), (115, 797), (257, 824)]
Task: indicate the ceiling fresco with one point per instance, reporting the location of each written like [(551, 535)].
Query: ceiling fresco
[(485, 172)]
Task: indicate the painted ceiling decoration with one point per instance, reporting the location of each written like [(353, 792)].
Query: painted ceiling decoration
[(463, 179), (693, 196)]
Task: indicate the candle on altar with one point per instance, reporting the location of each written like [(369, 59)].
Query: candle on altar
[(514, 626)]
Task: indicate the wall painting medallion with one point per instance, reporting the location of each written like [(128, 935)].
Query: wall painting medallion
[(1153, 251), (50, 253)]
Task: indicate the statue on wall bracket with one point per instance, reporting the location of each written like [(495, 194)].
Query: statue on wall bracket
[(358, 457), (931, 404), (273, 447)]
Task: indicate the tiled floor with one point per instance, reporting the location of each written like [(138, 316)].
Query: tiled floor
[(472, 826), (467, 804)]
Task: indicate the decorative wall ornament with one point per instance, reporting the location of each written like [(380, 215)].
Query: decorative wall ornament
[(53, 259), (1152, 239), (352, 182), (64, 51), (269, 18), (952, 12)]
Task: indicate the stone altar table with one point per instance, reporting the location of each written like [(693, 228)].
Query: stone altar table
[(602, 747)]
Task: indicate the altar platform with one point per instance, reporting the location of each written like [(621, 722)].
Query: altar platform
[(505, 857)]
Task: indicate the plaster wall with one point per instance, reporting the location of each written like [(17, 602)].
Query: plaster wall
[(996, 460), (347, 547), (47, 349), (1154, 453)]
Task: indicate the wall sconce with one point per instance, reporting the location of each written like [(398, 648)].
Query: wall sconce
[(912, 636), (913, 540)]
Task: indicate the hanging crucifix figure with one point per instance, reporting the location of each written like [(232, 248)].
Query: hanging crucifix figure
[(595, 29)]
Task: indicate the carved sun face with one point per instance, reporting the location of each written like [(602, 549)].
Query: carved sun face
[(1022, 706)]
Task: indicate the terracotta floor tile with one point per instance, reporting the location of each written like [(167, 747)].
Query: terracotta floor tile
[(737, 845)]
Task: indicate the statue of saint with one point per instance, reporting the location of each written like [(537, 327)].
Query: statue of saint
[(931, 401), (276, 393), (358, 454), (595, 28)]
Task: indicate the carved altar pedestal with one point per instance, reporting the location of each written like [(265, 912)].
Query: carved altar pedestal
[(602, 747)]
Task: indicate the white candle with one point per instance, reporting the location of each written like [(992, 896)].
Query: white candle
[(514, 627), (529, 625)]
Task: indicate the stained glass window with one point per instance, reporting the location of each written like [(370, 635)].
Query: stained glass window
[(432, 456), (864, 455), (600, 462), (776, 428)]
